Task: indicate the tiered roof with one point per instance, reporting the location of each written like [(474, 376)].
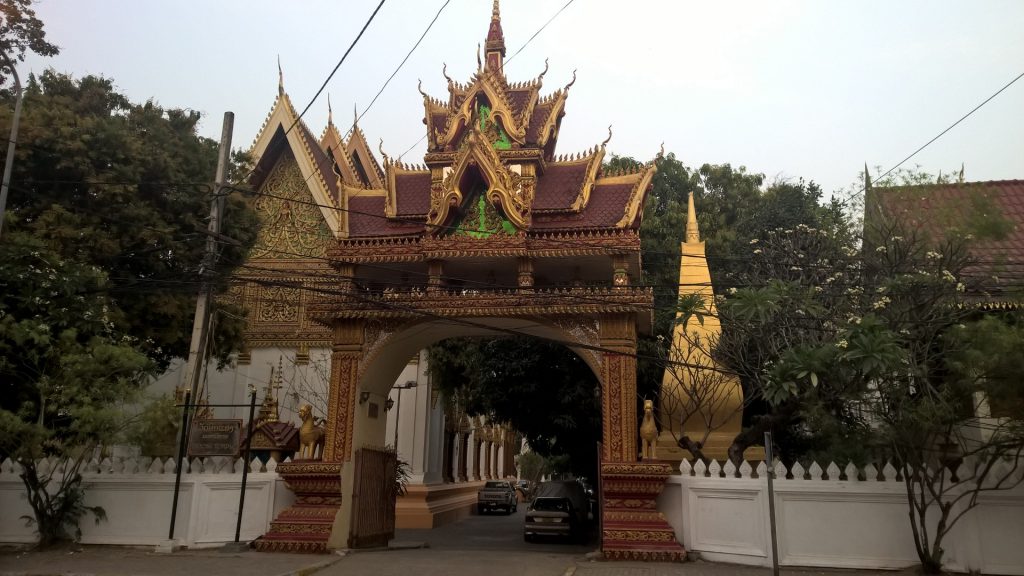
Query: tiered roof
[(487, 128)]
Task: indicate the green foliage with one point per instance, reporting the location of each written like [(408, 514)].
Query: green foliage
[(123, 187), (533, 466), (66, 372), (20, 32), (557, 408), (155, 428)]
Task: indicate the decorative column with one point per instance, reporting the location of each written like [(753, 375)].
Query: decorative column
[(435, 269), (306, 525), (476, 455), (632, 527), (463, 456), (525, 276), (487, 460)]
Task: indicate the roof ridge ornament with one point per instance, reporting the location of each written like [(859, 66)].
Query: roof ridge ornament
[(280, 76), (573, 81), (541, 77), (608, 139), (444, 72), (330, 114)]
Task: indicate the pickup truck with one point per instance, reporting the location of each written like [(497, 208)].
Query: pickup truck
[(496, 494)]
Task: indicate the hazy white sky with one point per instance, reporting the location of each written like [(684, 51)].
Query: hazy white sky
[(807, 89)]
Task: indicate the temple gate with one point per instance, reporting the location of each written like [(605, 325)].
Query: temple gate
[(492, 236)]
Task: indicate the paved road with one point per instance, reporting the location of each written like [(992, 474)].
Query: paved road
[(489, 545), (494, 532)]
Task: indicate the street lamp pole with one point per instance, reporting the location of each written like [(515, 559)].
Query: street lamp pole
[(398, 406)]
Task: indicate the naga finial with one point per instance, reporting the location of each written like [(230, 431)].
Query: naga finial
[(444, 72), (573, 81), (609, 138), (280, 76), (380, 148), (419, 86), (661, 152)]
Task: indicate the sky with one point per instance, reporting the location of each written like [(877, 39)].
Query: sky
[(791, 89)]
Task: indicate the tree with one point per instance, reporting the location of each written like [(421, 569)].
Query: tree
[(923, 360), (20, 32), (124, 187), (104, 235), (66, 369), (557, 408)]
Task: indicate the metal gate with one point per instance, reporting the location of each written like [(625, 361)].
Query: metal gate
[(373, 498)]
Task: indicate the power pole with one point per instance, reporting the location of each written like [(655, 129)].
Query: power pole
[(201, 321), (10, 144)]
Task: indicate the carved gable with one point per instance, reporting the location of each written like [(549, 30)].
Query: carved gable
[(290, 225)]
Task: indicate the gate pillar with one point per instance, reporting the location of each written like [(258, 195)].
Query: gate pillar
[(631, 526)]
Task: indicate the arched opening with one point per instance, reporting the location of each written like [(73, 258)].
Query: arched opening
[(456, 438)]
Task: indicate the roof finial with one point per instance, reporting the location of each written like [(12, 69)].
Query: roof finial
[(867, 177), (330, 114), (960, 180), (419, 86), (661, 152), (541, 77), (609, 138), (569, 85), (479, 62), (380, 147), (692, 232), (280, 76), (355, 114), (495, 39), (444, 72)]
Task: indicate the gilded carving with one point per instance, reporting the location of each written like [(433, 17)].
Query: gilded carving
[(278, 304), (290, 226)]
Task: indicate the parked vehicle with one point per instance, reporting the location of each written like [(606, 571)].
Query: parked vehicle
[(559, 509), (496, 494)]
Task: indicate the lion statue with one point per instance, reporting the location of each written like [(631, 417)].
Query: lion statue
[(649, 432), (311, 435)]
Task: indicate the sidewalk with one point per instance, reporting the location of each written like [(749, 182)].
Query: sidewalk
[(121, 561)]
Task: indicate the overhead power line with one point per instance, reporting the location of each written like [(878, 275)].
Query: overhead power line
[(507, 60), (338, 65), (400, 65), (939, 135)]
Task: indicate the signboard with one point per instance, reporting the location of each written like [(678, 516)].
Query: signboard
[(215, 437)]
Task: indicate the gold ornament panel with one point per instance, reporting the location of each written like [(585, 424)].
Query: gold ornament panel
[(290, 225)]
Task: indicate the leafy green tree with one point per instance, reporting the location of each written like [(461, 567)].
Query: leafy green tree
[(924, 362), (557, 408), (124, 187), (103, 245), (66, 371), (20, 32)]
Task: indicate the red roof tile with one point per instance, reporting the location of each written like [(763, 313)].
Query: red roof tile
[(606, 207), (537, 120), (938, 207), (559, 186), (518, 99), (366, 219), (412, 193)]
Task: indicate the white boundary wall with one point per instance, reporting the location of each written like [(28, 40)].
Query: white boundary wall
[(137, 496), (722, 513)]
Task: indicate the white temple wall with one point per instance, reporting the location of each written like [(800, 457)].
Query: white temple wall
[(831, 522)]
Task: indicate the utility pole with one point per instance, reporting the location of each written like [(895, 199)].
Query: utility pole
[(201, 321), (10, 144)]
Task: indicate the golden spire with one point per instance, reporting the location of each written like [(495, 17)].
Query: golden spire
[(330, 114), (495, 44), (692, 232)]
